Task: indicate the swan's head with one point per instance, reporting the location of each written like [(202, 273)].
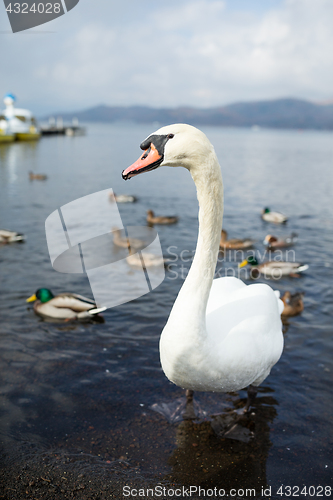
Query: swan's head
[(176, 145)]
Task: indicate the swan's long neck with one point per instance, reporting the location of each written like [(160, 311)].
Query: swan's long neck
[(192, 299)]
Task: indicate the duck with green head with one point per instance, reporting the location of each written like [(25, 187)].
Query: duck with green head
[(274, 269), (276, 217), (64, 306)]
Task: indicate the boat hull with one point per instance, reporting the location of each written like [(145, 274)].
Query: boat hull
[(5, 138), (27, 136)]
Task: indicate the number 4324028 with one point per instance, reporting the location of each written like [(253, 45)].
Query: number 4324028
[(40, 8), (310, 491)]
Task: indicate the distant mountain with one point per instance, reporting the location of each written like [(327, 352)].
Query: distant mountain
[(279, 113)]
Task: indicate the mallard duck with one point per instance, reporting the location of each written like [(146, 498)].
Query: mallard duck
[(276, 217), (7, 236), (122, 198), (64, 306), (292, 304), (274, 269), (221, 335), (234, 244), (160, 219), (37, 177), (274, 242), (123, 242)]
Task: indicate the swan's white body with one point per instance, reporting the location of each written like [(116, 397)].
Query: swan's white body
[(237, 343), (221, 335)]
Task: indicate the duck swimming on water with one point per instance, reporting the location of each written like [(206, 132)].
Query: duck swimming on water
[(7, 236), (275, 217), (292, 304), (274, 268), (234, 243), (65, 306), (274, 242), (160, 219)]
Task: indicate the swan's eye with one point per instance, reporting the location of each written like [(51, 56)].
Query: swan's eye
[(170, 136)]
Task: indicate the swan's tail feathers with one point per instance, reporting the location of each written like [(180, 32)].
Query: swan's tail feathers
[(279, 301), (302, 268), (280, 306)]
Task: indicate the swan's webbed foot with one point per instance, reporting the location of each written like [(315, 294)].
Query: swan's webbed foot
[(233, 425), (180, 409)]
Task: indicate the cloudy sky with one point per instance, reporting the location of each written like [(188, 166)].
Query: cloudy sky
[(181, 52)]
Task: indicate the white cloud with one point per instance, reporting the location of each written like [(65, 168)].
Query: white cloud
[(196, 53)]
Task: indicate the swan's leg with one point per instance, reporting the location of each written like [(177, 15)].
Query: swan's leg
[(189, 409), (189, 395), (251, 396)]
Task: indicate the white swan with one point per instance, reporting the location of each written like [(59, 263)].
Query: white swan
[(221, 335)]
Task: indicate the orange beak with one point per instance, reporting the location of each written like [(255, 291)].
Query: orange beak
[(150, 160)]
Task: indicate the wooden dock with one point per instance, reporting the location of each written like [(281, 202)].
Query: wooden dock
[(57, 127)]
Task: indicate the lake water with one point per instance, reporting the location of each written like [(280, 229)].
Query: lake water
[(76, 398)]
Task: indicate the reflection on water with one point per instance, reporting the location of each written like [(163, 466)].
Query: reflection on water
[(203, 459), (14, 154), (78, 398)]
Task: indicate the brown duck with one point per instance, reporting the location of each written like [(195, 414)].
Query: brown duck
[(160, 219)]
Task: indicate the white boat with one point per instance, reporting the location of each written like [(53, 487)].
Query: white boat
[(21, 122), (5, 134)]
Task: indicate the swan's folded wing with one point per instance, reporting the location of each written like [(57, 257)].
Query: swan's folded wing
[(253, 355), (221, 290), (238, 305), (244, 336)]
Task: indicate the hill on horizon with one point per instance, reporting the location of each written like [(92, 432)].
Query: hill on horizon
[(278, 113)]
